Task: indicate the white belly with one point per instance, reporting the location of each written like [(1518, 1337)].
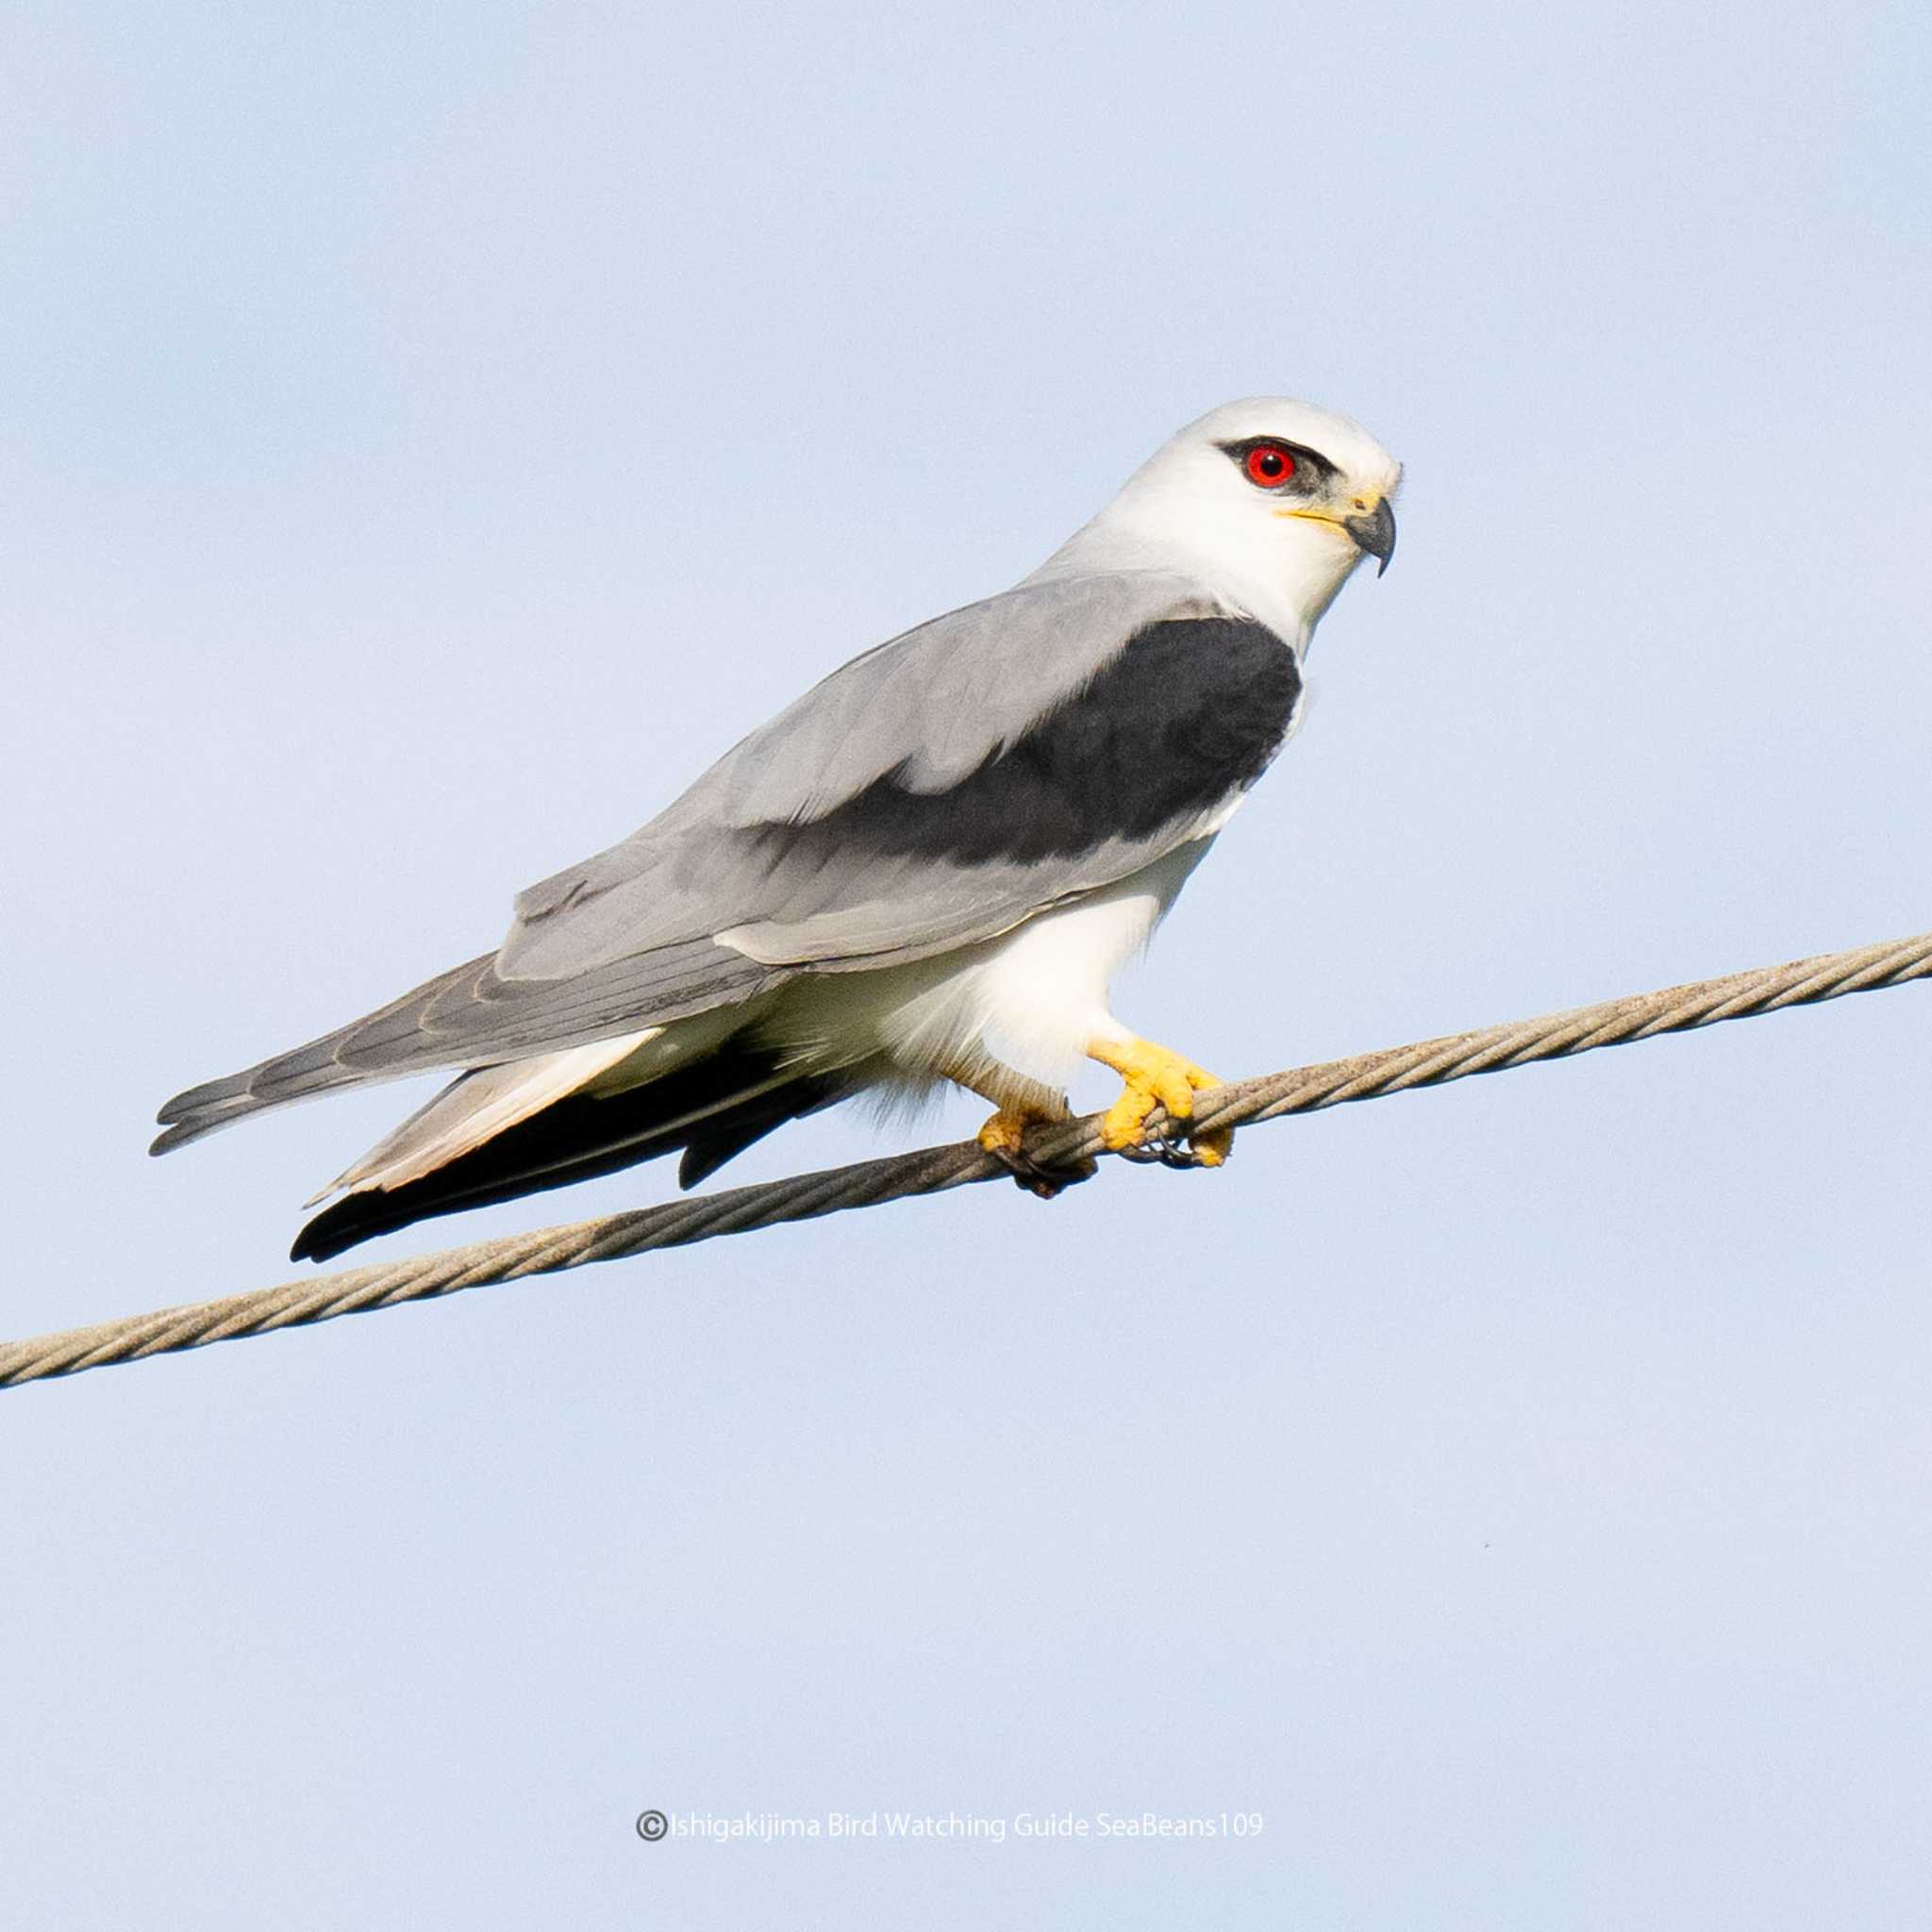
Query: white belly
[(1032, 998)]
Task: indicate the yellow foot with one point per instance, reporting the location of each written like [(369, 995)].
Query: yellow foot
[(1156, 1077), (1005, 1137), (1005, 1133)]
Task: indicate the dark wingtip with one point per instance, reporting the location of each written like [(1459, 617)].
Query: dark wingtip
[(339, 1226), (576, 1139), (308, 1246)]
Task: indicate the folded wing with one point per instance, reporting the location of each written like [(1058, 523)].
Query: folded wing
[(934, 792)]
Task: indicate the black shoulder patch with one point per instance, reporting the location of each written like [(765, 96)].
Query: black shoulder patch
[(1191, 712)]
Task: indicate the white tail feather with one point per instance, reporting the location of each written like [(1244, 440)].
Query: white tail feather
[(476, 1108)]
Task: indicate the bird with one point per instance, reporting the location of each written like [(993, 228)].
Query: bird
[(926, 870)]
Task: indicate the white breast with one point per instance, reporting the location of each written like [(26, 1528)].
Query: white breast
[(1033, 998)]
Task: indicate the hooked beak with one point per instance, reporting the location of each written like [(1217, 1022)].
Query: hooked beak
[(1374, 534)]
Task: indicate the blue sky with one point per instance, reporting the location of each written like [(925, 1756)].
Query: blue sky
[(431, 437)]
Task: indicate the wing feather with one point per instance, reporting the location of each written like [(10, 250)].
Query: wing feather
[(929, 709), (935, 792)]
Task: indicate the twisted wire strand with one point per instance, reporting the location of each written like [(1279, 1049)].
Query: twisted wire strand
[(935, 1170)]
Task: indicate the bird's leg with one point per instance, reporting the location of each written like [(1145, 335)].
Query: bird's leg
[(1156, 1077), (1022, 1103)]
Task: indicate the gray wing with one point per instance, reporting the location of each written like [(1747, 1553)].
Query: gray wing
[(926, 710), (835, 838)]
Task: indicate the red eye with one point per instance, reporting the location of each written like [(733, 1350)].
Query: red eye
[(1268, 465)]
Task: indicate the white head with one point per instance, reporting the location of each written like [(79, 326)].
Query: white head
[(1270, 502)]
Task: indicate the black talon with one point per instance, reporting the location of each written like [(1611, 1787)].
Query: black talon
[(1037, 1178), (1167, 1153)]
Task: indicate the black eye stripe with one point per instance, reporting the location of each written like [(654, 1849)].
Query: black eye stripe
[(1311, 461)]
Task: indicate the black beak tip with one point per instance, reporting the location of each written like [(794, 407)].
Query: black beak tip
[(1376, 535)]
